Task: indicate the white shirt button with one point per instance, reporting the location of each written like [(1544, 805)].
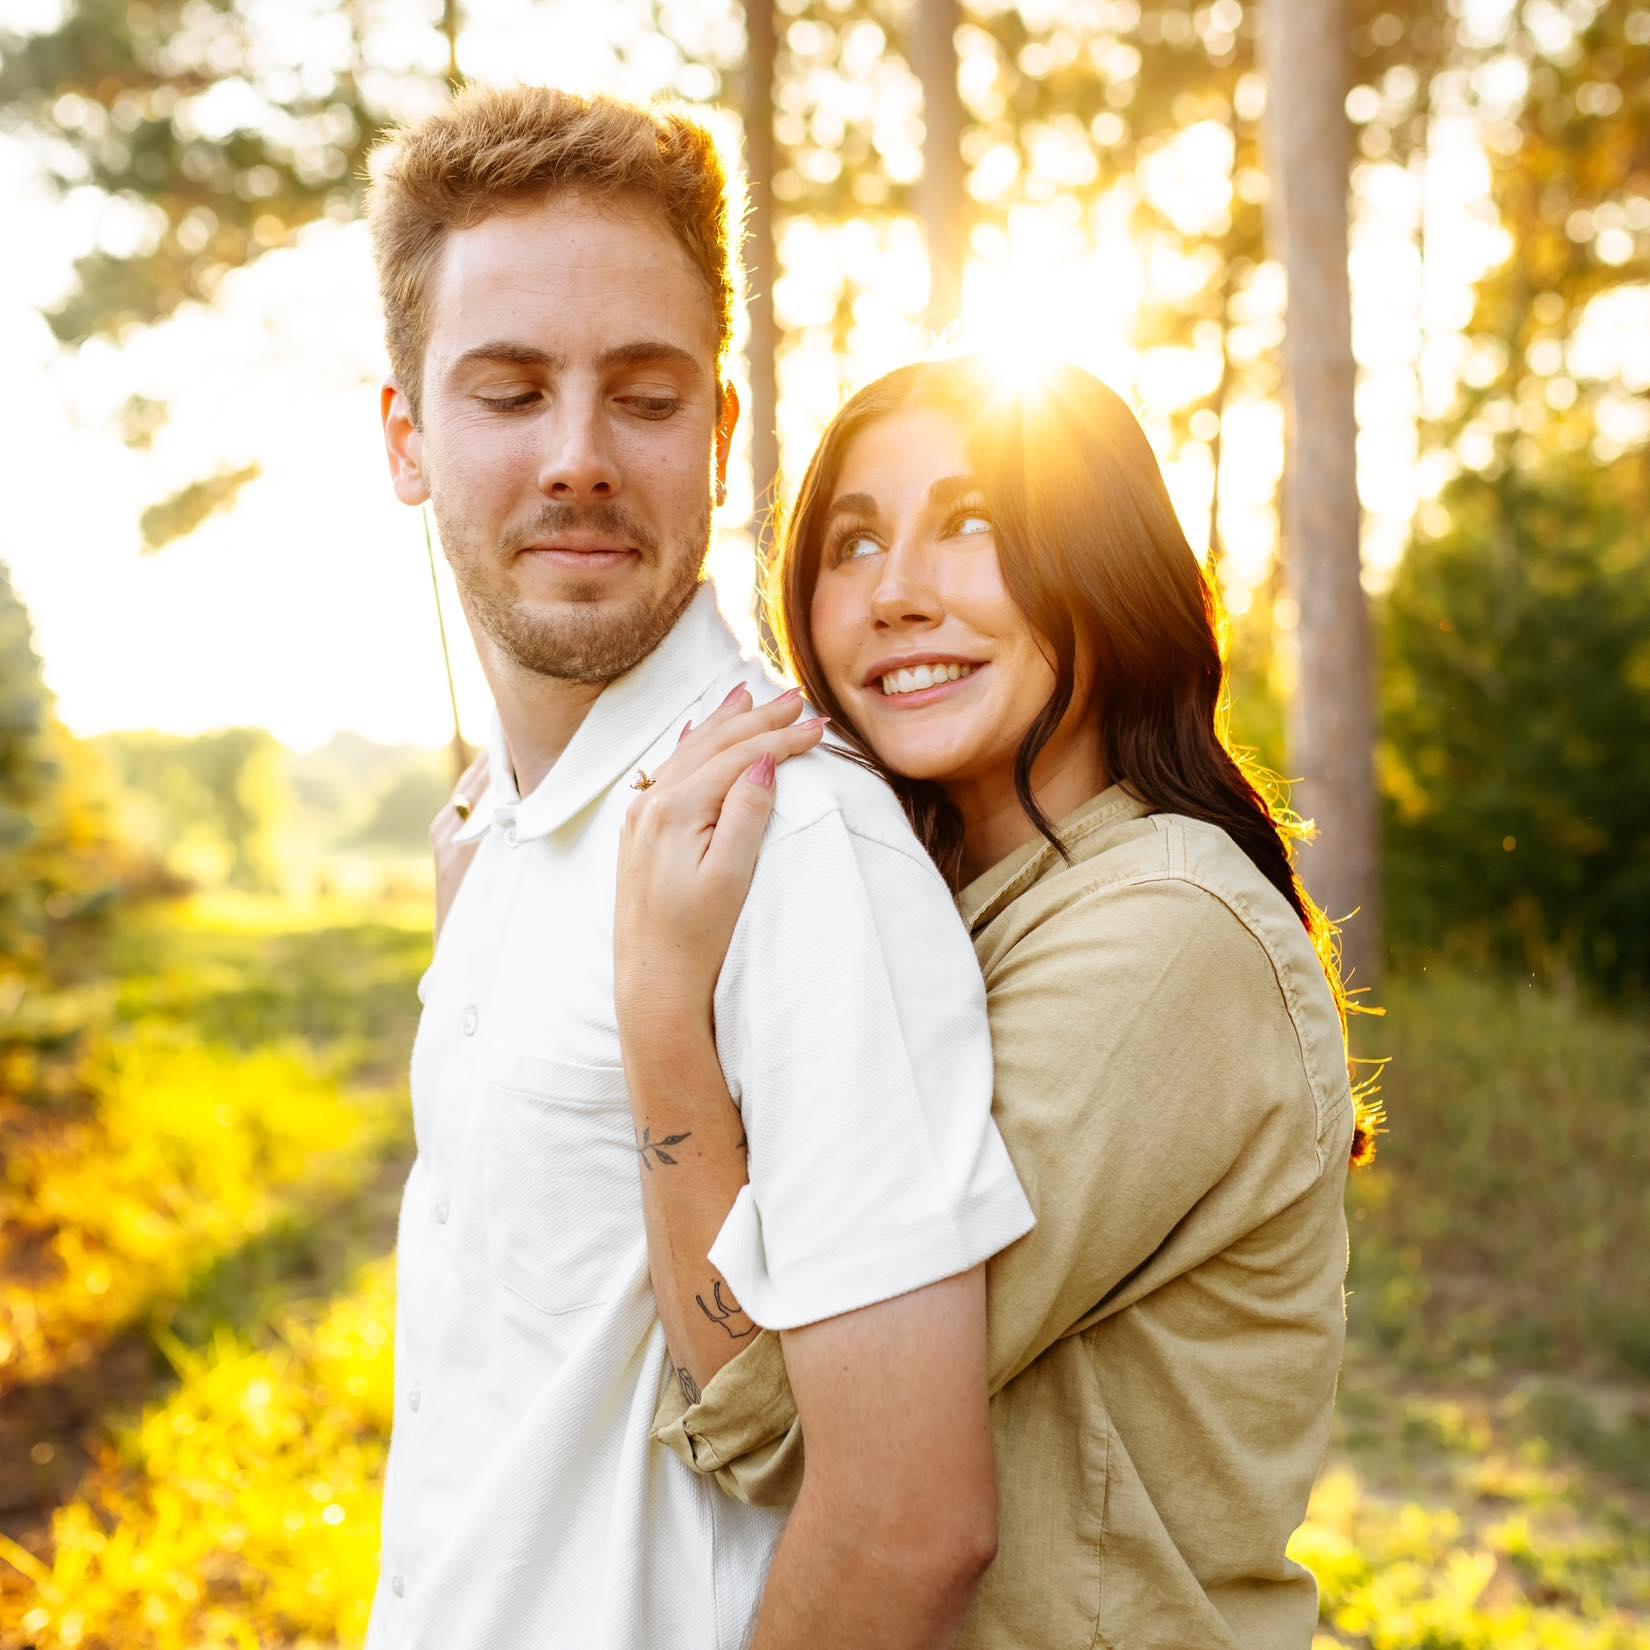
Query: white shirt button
[(441, 1209), (414, 1399), (471, 1020), (511, 837), (397, 1585)]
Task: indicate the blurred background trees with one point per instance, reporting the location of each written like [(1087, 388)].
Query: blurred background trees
[(59, 858), (217, 133), (1516, 697), (202, 1119)]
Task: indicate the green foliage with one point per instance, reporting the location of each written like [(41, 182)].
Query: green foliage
[(1571, 174), (178, 515), (403, 809), (122, 94), (1503, 1547), (1505, 1219), (211, 808), (29, 771), (234, 809), (243, 1510), (1516, 713), (225, 1087), (58, 862)]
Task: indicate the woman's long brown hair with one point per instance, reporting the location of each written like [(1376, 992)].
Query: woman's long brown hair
[(1094, 557)]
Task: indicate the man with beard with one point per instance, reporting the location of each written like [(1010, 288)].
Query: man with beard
[(558, 303)]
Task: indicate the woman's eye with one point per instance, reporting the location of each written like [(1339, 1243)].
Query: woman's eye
[(856, 546), (973, 521)]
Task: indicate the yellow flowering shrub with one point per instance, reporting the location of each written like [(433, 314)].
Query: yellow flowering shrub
[(242, 1510), (187, 1151)]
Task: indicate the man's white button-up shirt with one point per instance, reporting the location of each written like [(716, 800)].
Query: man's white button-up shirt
[(525, 1504)]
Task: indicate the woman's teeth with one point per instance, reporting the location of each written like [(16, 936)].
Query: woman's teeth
[(918, 677)]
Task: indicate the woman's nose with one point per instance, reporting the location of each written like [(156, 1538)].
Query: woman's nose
[(905, 593)]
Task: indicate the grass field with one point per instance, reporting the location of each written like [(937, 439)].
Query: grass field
[(205, 1141)]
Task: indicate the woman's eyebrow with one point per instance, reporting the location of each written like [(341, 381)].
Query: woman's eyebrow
[(948, 489), (852, 504)]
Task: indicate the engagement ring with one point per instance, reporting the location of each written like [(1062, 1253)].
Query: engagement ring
[(641, 782)]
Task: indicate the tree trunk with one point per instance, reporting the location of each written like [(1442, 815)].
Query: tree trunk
[(761, 261), (942, 198), (1332, 724), (1217, 446), (449, 28)]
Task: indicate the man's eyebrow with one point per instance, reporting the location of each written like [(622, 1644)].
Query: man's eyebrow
[(647, 352), (502, 349), (643, 351)]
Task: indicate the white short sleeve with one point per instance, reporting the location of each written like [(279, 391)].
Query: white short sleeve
[(851, 1024)]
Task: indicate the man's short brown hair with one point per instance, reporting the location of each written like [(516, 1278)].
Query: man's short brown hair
[(495, 148)]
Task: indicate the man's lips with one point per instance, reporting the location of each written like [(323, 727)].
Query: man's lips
[(577, 557)]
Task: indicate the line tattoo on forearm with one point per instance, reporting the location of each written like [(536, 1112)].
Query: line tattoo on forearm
[(726, 1308), (648, 1144), (690, 1387)]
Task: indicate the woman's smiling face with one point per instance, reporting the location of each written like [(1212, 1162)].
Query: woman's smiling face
[(912, 622)]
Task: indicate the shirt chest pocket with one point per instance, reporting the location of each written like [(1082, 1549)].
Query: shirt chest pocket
[(563, 1204)]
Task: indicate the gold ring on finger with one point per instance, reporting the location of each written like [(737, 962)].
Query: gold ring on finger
[(641, 782), (463, 807)]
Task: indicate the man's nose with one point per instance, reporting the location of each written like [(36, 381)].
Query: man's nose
[(904, 594), (578, 462)]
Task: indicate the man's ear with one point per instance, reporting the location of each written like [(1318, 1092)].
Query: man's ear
[(726, 418), (403, 443)]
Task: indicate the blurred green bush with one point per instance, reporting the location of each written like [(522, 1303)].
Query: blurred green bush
[(1515, 755)]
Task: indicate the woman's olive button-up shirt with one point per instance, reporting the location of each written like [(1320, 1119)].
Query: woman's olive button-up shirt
[(1171, 1083)]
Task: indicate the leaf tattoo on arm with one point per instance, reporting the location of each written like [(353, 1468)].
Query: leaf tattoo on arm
[(726, 1308), (648, 1144), (690, 1387)]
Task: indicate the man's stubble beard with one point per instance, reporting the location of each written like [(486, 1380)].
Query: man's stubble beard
[(600, 643)]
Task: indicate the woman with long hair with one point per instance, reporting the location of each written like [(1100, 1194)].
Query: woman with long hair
[(988, 593)]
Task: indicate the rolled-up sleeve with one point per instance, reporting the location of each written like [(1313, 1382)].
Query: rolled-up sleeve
[(851, 1024)]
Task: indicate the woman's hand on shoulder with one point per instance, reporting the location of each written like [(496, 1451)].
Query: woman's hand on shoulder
[(452, 859), (689, 851)]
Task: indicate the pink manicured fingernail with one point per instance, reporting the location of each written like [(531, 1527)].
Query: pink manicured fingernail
[(738, 688), (760, 772), (685, 731), (815, 722), (789, 696)]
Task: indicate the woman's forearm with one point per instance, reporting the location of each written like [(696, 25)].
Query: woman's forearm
[(690, 1146)]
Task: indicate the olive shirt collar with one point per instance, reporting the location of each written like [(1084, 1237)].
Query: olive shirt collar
[(1082, 832)]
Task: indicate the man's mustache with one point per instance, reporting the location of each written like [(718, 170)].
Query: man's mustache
[(604, 519)]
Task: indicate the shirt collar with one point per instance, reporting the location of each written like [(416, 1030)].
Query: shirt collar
[(630, 714), (1082, 833)]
